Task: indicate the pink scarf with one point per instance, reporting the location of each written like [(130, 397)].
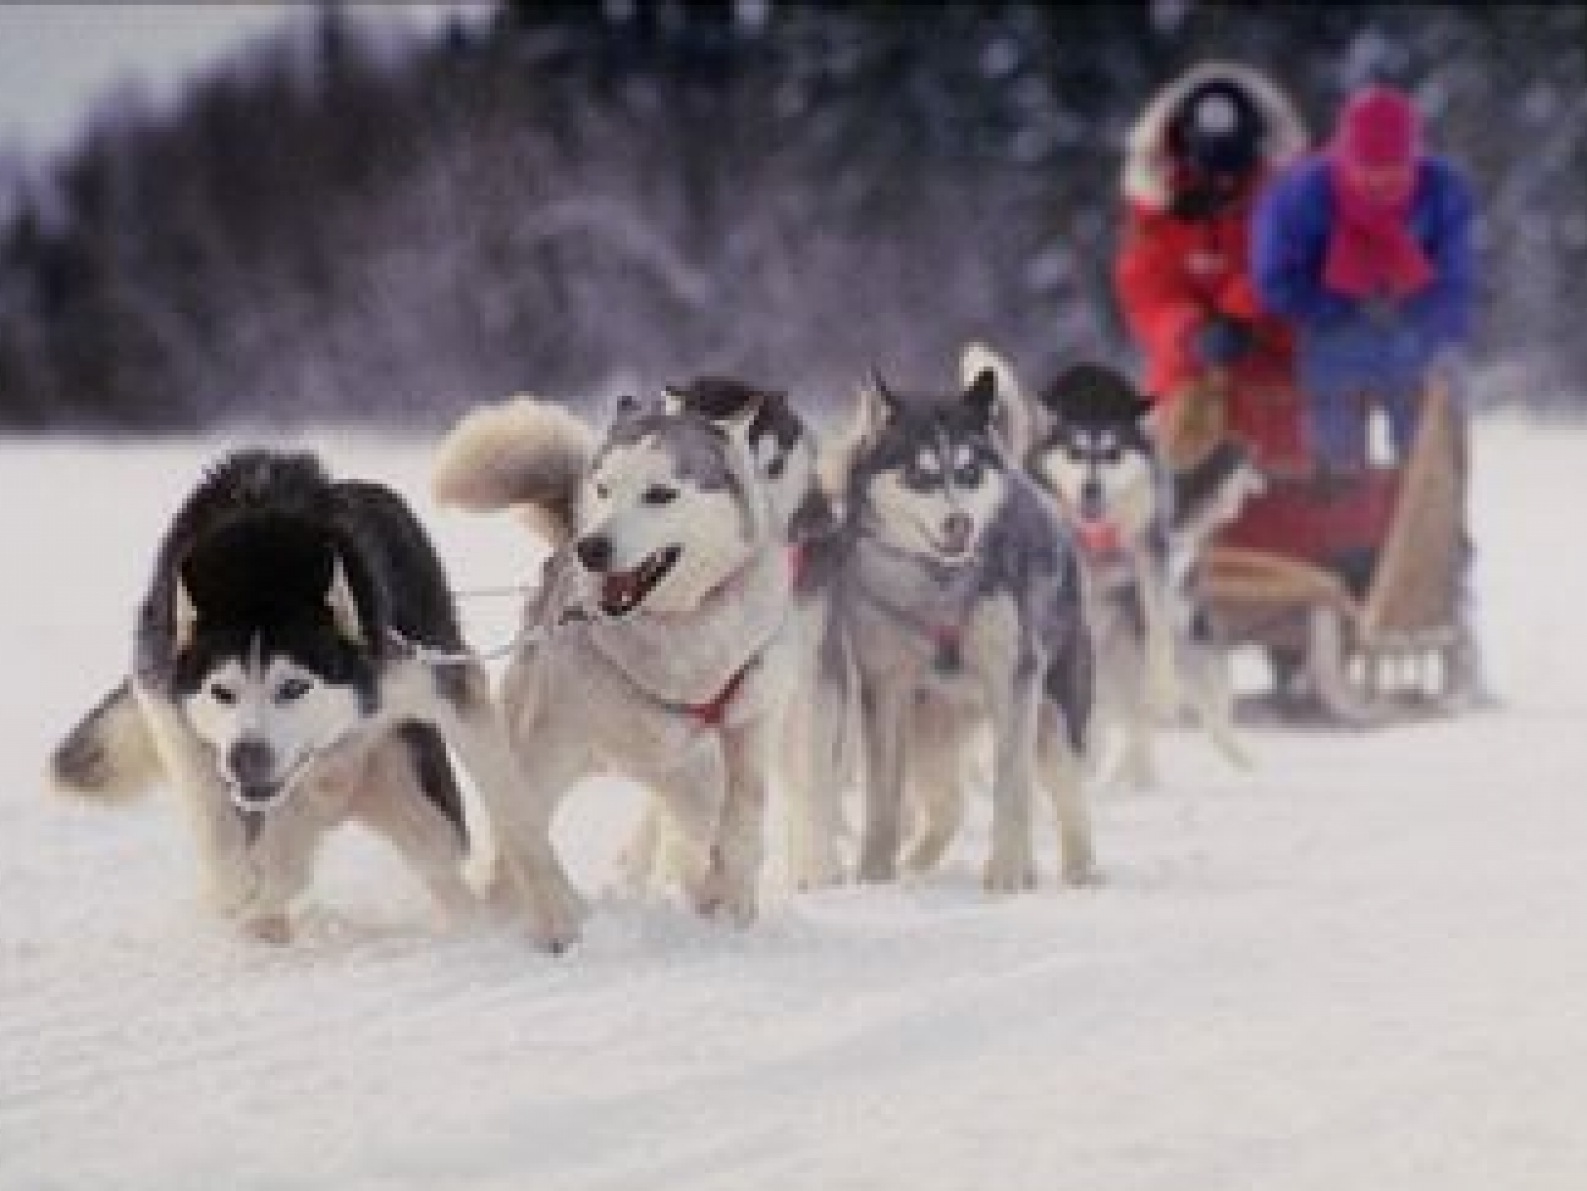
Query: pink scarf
[(1371, 250)]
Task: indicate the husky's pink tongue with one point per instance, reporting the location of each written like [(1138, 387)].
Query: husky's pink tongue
[(1099, 536)]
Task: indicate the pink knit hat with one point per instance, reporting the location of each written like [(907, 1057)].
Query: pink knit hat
[(1378, 129)]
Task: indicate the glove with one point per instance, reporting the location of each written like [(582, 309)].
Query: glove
[(1222, 340)]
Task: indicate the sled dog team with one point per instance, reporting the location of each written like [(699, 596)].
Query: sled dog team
[(973, 588)]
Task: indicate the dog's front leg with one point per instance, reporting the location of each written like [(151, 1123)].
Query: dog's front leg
[(1211, 694), (229, 879), (1062, 770), (1015, 707), (741, 846), (814, 787), (694, 791), (640, 859), (520, 806), (391, 799), (887, 707)]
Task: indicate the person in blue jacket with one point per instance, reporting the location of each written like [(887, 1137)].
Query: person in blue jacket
[(1365, 247)]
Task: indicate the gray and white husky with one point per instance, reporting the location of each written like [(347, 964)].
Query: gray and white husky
[(658, 649), (815, 749), (275, 687), (1141, 532), (959, 596)]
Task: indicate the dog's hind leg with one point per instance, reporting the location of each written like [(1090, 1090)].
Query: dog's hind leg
[(812, 781), (410, 795), (936, 781), (110, 755)]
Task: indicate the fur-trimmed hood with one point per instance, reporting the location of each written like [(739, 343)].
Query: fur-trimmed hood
[(1146, 163)]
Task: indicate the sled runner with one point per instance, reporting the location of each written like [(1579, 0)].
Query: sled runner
[(1350, 584)]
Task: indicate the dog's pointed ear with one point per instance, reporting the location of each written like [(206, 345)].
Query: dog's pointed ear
[(877, 402), (339, 598), (184, 615), (737, 424), (877, 386), (982, 394)]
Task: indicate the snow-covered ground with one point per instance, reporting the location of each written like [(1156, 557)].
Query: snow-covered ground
[(1360, 966)]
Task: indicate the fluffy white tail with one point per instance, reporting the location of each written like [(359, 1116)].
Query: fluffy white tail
[(519, 453), (110, 755)]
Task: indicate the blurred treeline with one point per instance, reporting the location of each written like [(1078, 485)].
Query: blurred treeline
[(567, 197)]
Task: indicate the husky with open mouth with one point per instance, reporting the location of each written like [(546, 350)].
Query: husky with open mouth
[(815, 752), (276, 688), (1141, 532), (657, 648), (959, 597)]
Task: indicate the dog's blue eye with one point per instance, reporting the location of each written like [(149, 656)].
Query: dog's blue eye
[(968, 475), (659, 494), (292, 689), (223, 695)]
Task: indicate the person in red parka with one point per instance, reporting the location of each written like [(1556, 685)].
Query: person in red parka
[(1215, 363)]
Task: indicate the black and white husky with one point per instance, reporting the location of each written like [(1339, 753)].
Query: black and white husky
[(275, 688), (1141, 532), (658, 648), (959, 597)]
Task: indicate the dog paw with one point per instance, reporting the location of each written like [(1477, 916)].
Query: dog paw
[(1082, 874), (1164, 697), (1009, 872), (817, 874), (556, 914), (231, 888), (738, 903), (877, 870), (275, 929), (717, 895), (925, 855)]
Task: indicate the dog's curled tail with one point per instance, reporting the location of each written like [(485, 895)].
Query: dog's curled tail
[(1012, 413), (519, 453), (109, 756)]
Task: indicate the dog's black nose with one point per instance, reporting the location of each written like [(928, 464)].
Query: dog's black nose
[(956, 529), (1091, 503), (252, 763), (595, 552)]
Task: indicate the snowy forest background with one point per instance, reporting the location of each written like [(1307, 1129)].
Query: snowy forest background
[(569, 196)]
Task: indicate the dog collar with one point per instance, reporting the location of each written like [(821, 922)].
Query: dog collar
[(711, 714), (946, 636), (798, 562)]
